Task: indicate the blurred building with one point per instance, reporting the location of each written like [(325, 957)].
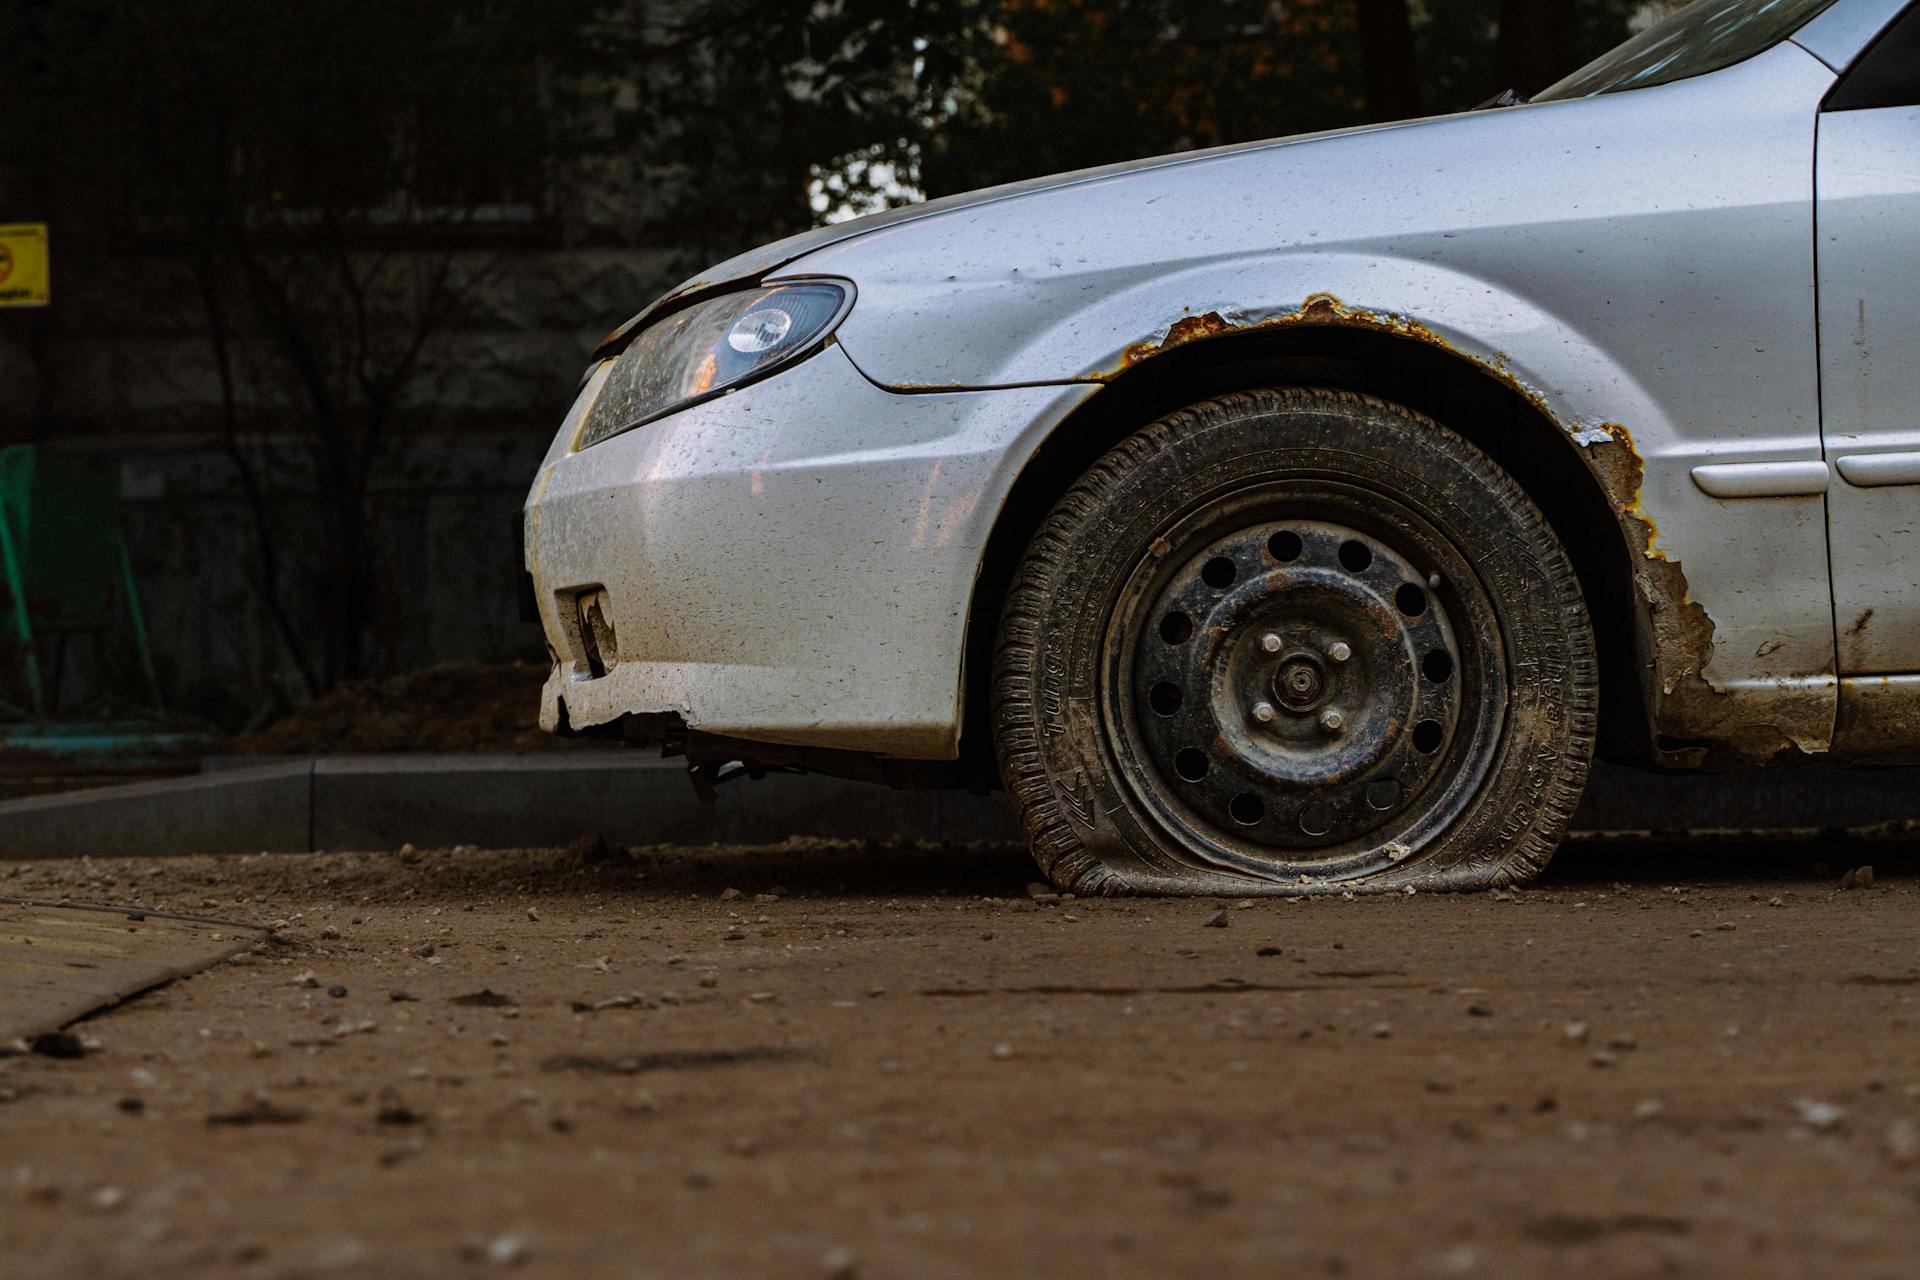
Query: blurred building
[(126, 360)]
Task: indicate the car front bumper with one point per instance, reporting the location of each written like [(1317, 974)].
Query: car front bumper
[(791, 563)]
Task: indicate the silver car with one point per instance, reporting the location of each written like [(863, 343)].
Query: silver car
[(1302, 515)]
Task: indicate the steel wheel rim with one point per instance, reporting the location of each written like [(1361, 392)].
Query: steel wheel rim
[(1278, 787)]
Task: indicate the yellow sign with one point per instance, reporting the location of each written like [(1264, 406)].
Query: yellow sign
[(23, 265)]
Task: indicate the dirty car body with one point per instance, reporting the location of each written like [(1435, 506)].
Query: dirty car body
[(1617, 295)]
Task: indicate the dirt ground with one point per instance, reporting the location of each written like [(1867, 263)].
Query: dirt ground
[(837, 1061)]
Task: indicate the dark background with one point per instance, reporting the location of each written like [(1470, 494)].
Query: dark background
[(325, 272)]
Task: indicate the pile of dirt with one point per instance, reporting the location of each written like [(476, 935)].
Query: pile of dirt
[(454, 707)]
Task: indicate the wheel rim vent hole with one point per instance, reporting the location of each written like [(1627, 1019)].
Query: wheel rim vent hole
[(1427, 736), (1384, 794), (1285, 546), (1218, 573), (1437, 666), (1411, 600), (1176, 628), (1247, 809), (1164, 698), (1356, 555), (1192, 764)]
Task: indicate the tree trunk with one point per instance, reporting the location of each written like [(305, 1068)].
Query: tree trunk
[(1393, 70)]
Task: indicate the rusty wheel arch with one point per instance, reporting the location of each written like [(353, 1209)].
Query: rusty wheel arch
[(1496, 414)]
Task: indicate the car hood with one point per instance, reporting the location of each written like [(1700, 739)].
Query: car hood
[(748, 267)]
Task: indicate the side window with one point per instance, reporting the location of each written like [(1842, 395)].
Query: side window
[(1887, 74)]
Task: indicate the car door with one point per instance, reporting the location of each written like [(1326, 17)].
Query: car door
[(1867, 184)]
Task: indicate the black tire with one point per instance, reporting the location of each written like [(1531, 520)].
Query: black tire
[(1288, 641)]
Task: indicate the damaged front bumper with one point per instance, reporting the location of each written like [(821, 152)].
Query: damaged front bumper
[(792, 563)]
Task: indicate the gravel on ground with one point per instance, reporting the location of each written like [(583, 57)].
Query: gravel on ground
[(832, 1060)]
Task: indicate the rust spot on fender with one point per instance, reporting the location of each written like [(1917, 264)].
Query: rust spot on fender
[(1674, 645), (1326, 309)]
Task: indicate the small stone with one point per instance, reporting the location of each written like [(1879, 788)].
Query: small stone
[(590, 848), (1480, 1010), (1575, 1032), (840, 1263), (394, 1111), (729, 894), (108, 1199), (484, 998), (1858, 878), (402, 997), (732, 935), (305, 978), (329, 933), (506, 1250), (1903, 1142), (1218, 920), (1381, 1030), (1622, 1044), (1651, 1109), (57, 1044), (337, 991), (986, 935), (533, 914), (1003, 1051), (1602, 1059), (1822, 1117)]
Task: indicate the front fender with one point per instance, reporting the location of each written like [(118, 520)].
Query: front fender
[(1639, 266)]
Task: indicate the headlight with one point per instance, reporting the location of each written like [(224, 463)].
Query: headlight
[(708, 348)]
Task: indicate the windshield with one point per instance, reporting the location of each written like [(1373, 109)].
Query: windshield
[(1705, 36)]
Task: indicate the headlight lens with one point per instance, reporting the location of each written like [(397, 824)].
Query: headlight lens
[(707, 348)]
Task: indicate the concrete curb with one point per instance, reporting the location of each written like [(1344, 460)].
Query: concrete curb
[(498, 801), (505, 801)]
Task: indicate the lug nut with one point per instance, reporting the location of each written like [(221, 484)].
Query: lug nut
[(1339, 651), (1270, 642), (1263, 712), (1332, 721)]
